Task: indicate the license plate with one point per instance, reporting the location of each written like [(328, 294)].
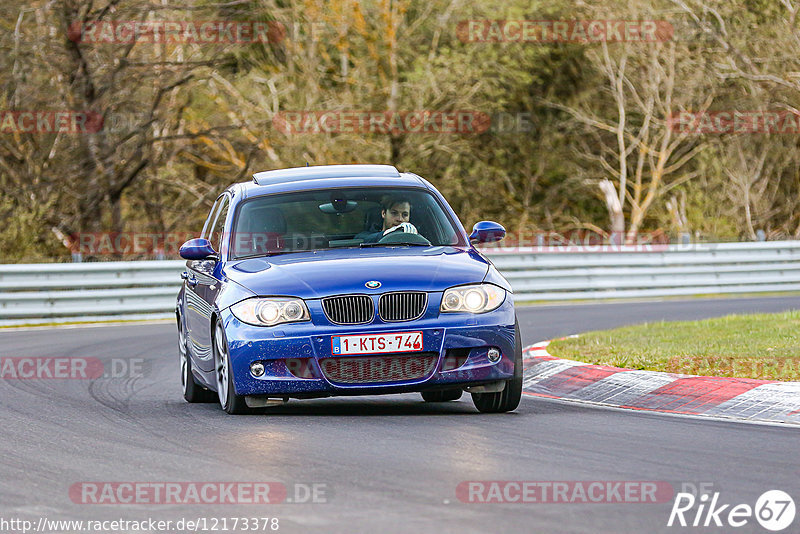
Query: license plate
[(377, 343)]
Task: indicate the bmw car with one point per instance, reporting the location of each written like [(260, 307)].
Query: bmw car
[(343, 280)]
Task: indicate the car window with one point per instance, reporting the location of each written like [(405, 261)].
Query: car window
[(336, 218), (217, 230)]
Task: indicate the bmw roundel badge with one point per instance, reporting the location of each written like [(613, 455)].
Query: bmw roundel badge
[(373, 284)]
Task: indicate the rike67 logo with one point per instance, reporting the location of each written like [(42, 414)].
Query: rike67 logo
[(774, 510)]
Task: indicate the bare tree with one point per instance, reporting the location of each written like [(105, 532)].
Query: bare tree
[(135, 90), (634, 141), (761, 167)]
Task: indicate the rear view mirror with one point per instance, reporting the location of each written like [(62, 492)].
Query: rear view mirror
[(338, 206), (197, 249), (487, 232)]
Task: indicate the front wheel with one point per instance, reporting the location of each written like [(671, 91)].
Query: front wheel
[(508, 399), (228, 399)]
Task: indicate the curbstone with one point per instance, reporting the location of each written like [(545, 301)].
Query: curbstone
[(735, 398)]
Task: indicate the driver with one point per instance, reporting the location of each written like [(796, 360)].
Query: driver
[(395, 214)]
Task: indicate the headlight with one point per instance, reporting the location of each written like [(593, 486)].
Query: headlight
[(270, 311), (477, 298)]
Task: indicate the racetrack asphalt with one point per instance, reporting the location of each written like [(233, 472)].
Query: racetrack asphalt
[(386, 464)]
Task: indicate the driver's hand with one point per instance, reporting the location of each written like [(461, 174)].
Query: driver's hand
[(402, 227)]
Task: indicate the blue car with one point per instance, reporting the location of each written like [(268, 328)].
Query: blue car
[(343, 280)]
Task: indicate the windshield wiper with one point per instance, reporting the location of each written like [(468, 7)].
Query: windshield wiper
[(267, 254), (366, 245)]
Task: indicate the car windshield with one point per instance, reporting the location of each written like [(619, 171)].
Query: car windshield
[(340, 218)]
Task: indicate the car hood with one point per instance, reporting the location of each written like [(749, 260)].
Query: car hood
[(332, 272)]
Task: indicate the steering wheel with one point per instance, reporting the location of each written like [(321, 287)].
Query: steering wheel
[(403, 238)]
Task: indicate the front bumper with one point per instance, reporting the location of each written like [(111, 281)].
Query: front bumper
[(449, 338)]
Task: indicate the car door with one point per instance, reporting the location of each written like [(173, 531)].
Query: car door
[(207, 285), (197, 312)]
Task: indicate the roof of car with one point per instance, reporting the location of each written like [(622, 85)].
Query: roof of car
[(298, 174), (323, 176)]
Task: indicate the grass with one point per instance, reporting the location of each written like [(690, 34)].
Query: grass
[(765, 346)]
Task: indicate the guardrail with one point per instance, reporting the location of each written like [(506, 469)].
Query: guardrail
[(545, 274), (64, 292), (44, 293)]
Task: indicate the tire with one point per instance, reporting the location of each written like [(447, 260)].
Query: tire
[(444, 395), (508, 399), (228, 399), (192, 391)]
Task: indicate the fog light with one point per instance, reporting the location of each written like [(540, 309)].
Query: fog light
[(257, 369), (494, 355)]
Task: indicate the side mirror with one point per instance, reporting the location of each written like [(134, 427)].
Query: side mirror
[(486, 232), (198, 249)]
